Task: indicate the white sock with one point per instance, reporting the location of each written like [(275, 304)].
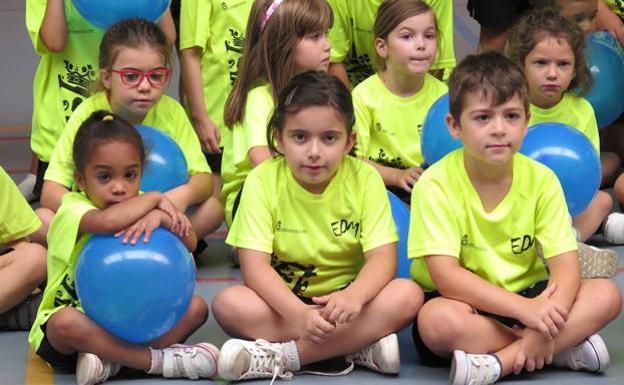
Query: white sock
[(292, 356), (27, 184), (156, 365)]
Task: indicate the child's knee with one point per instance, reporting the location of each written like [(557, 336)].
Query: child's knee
[(439, 325), (603, 202), (31, 259), (607, 297), (197, 311), (66, 325), (226, 305), (408, 298)]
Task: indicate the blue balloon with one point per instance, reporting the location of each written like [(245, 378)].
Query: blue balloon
[(571, 156), (104, 13), (606, 64), (139, 292), (401, 215), (435, 140), (165, 165)]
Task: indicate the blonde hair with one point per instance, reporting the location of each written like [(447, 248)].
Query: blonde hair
[(268, 53)]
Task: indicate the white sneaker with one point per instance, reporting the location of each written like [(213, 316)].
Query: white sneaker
[(381, 356), (613, 230), (597, 263), (190, 361), (242, 360), (590, 355), (474, 369), (91, 370), (26, 187)]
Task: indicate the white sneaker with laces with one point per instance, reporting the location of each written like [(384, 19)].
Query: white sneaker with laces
[(474, 369), (242, 360), (190, 361), (91, 370), (590, 355), (381, 356), (613, 230)]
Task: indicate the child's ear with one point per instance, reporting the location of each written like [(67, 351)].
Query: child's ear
[(79, 181), (105, 77), (453, 126), (351, 139), (277, 140), (381, 47)]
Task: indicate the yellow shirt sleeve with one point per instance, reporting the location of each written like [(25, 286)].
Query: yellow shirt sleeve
[(17, 219), (194, 23)]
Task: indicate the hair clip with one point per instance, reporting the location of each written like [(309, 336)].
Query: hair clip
[(107, 117), (290, 97), (267, 15)]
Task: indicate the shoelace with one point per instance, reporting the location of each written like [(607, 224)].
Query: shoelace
[(266, 355), (187, 366), (363, 357), (485, 372)]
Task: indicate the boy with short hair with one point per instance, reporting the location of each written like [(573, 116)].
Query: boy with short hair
[(477, 217)]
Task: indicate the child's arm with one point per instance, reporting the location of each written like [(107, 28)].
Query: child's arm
[(53, 31), (606, 19), (52, 194), (345, 305), (391, 176), (339, 71), (258, 154), (198, 189), (153, 220), (259, 276), (207, 131), (167, 25), (453, 281)]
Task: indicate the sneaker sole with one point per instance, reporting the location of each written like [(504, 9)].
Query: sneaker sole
[(601, 351), (597, 263), (226, 356), (390, 354), (213, 351), (457, 375), (84, 376)]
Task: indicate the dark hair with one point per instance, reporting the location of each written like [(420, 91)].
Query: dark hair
[(391, 13), (133, 33), (311, 88), (492, 74), (548, 22), (269, 53), (101, 127)]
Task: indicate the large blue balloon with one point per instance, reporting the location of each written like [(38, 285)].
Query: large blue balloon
[(165, 165), (104, 13), (401, 215), (606, 63), (435, 140), (571, 156), (139, 292)]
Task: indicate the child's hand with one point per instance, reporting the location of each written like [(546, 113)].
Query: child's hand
[(314, 327), (535, 352), (545, 315), (145, 225), (208, 134), (339, 307), (183, 228), (405, 179), (177, 218)]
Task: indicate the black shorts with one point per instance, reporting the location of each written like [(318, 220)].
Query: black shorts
[(41, 170), (429, 358), (58, 361), (214, 161), (497, 14)]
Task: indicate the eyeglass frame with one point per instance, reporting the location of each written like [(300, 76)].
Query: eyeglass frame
[(142, 75)]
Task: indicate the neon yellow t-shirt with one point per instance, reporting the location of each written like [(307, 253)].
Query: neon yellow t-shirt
[(64, 245), (251, 132), (388, 126), (572, 110), (218, 28), (448, 219), (17, 219), (353, 41), (63, 79), (316, 241), (617, 6), (166, 115)]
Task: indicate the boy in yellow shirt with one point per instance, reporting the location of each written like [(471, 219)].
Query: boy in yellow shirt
[(474, 232)]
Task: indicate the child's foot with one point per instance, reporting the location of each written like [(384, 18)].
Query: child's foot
[(590, 355), (242, 360), (22, 316), (474, 369), (613, 229), (91, 370), (190, 361), (381, 356), (597, 263)]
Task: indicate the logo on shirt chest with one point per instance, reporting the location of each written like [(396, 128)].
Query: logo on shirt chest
[(279, 227), (521, 244), (343, 226)]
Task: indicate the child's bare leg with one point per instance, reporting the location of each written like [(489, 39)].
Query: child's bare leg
[(208, 217), (21, 271), (618, 188), (587, 222), (70, 331), (609, 165), (241, 312)]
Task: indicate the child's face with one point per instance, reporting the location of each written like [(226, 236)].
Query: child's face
[(112, 174), (314, 141), (549, 69), (491, 134), (312, 53), (580, 12), (133, 101), (411, 47)]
